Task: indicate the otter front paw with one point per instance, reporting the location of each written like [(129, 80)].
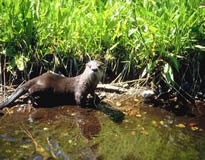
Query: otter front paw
[(79, 99)]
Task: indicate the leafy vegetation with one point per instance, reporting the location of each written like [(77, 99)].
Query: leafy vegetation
[(134, 33)]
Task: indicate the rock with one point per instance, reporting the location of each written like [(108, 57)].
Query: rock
[(148, 94)]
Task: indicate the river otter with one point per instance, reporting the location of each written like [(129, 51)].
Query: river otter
[(51, 86)]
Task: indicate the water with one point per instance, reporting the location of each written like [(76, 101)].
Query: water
[(123, 129)]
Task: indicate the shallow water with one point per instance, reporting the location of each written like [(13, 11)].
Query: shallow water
[(124, 128)]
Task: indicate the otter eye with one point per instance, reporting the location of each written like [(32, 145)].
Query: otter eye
[(89, 66), (101, 66)]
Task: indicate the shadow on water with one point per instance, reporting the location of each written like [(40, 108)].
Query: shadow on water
[(113, 113)]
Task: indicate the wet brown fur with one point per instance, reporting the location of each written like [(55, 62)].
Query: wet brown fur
[(54, 88)]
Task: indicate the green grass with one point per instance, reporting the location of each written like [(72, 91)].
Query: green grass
[(136, 33)]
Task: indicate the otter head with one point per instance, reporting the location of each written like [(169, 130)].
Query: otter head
[(96, 68)]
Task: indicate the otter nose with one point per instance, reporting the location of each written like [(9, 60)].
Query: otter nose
[(94, 69)]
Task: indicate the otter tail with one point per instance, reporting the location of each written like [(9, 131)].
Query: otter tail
[(13, 97)]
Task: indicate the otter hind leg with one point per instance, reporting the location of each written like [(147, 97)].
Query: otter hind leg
[(35, 92)]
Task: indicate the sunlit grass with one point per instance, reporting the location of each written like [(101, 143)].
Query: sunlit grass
[(142, 32)]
